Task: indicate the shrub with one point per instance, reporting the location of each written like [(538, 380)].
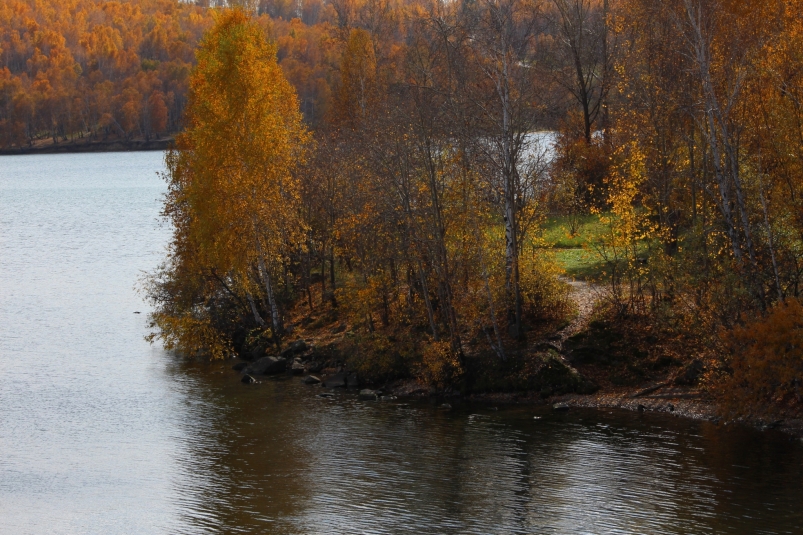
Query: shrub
[(544, 295), (766, 361), (440, 367), (378, 358)]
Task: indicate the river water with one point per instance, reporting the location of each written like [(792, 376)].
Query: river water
[(101, 433)]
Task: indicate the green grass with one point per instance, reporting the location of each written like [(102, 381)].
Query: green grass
[(556, 231), (574, 252), (582, 264)]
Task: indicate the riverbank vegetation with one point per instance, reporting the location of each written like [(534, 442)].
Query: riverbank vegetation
[(424, 227)]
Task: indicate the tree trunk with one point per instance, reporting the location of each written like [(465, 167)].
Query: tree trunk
[(276, 320), (254, 310), (323, 275), (427, 302)]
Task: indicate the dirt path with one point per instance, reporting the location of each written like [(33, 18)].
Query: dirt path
[(585, 295)]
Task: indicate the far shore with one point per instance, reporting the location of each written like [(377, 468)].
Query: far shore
[(84, 145)]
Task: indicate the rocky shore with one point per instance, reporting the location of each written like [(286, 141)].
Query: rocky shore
[(564, 372), (301, 359)]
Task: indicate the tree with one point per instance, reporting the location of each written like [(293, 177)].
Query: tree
[(231, 175), (499, 42), (582, 35)]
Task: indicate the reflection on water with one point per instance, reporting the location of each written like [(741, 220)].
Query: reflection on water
[(287, 461), (100, 433)]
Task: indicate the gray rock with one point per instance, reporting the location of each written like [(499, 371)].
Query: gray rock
[(311, 380), (309, 354), (555, 377), (240, 366), (337, 380), (560, 407), (247, 379), (297, 368), (368, 395), (268, 366)]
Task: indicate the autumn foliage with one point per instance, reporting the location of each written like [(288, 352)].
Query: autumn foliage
[(767, 362), (412, 213), (79, 68), (87, 69), (233, 197)]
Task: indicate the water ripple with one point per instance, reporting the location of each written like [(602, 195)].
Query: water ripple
[(100, 433)]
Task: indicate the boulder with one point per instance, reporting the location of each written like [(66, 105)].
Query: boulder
[(297, 368), (311, 380), (240, 366), (546, 346), (367, 394), (268, 366), (337, 380), (560, 407), (247, 379), (314, 366), (309, 354)]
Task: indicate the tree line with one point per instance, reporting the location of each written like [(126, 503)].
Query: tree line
[(438, 137)]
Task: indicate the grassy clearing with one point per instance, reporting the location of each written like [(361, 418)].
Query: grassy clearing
[(575, 253), (556, 231)]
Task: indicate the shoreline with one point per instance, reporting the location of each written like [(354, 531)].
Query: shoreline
[(682, 403), (675, 392), (69, 147), (664, 398)]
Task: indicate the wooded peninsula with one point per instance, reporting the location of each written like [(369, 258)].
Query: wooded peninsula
[(529, 197)]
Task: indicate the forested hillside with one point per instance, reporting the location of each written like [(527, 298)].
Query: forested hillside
[(86, 68), (119, 70)]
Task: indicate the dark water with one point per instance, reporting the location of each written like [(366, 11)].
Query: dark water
[(100, 433)]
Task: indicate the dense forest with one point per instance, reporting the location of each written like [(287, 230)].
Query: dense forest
[(89, 69), (400, 179)]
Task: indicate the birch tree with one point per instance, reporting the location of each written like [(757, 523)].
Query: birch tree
[(235, 160), (500, 42)]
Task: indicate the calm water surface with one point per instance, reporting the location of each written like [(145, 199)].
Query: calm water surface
[(101, 433)]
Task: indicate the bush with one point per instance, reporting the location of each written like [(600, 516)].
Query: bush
[(440, 367), (766, 361), (544, 295), (378, 358)]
